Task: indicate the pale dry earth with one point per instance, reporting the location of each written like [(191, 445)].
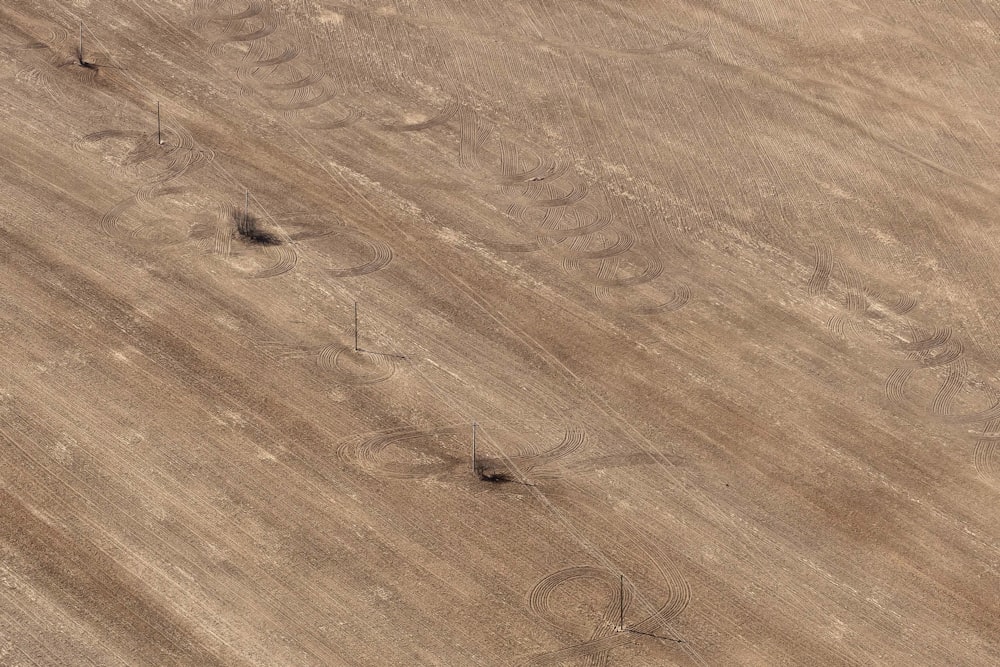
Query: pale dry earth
[(717, 280)]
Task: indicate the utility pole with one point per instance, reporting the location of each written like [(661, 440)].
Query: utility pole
[(159, 136), (474, 468), (246, 208), (82, 61), (621, 602), (355, 326)]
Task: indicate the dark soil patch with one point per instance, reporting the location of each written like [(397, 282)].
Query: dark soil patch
[(249, 229)]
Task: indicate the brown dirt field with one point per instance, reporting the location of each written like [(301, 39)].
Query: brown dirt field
[(713, 279)]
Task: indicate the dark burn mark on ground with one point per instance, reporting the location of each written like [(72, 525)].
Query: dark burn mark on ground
[(250, 229), (489, 471)]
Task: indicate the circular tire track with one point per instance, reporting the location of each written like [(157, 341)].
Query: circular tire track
[(540, 602), (628, 537), (370, 454), (626, 540), (356, 368)]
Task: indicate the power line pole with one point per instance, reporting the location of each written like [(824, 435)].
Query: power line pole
[(355, 326), (621, 602), (475, 469), (81, 43), (159, 136)]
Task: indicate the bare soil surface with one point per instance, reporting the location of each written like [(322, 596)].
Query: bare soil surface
[(715, 280)]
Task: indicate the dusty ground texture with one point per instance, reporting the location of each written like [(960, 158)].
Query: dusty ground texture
[(717, 280)]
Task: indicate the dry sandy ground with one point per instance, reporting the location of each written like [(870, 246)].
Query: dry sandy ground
[(715, 279)]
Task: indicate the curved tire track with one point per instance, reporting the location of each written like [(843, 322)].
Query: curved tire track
[(680, 297), (284, 257), (205, 16), (547, 464), (952, 352), (895, 384), (347, 365), (598, 220), (651, 269), (939, 337), (822, 268), (440, 118), (950, 388), (266, 28), (513, 178), (576, 193), (987, 450), (370, 454), (473, 137), (111, 222), (381, 252), (623, 242), (539, 599), (311, 78), (295, 104), (222, 240), (351, 117)]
